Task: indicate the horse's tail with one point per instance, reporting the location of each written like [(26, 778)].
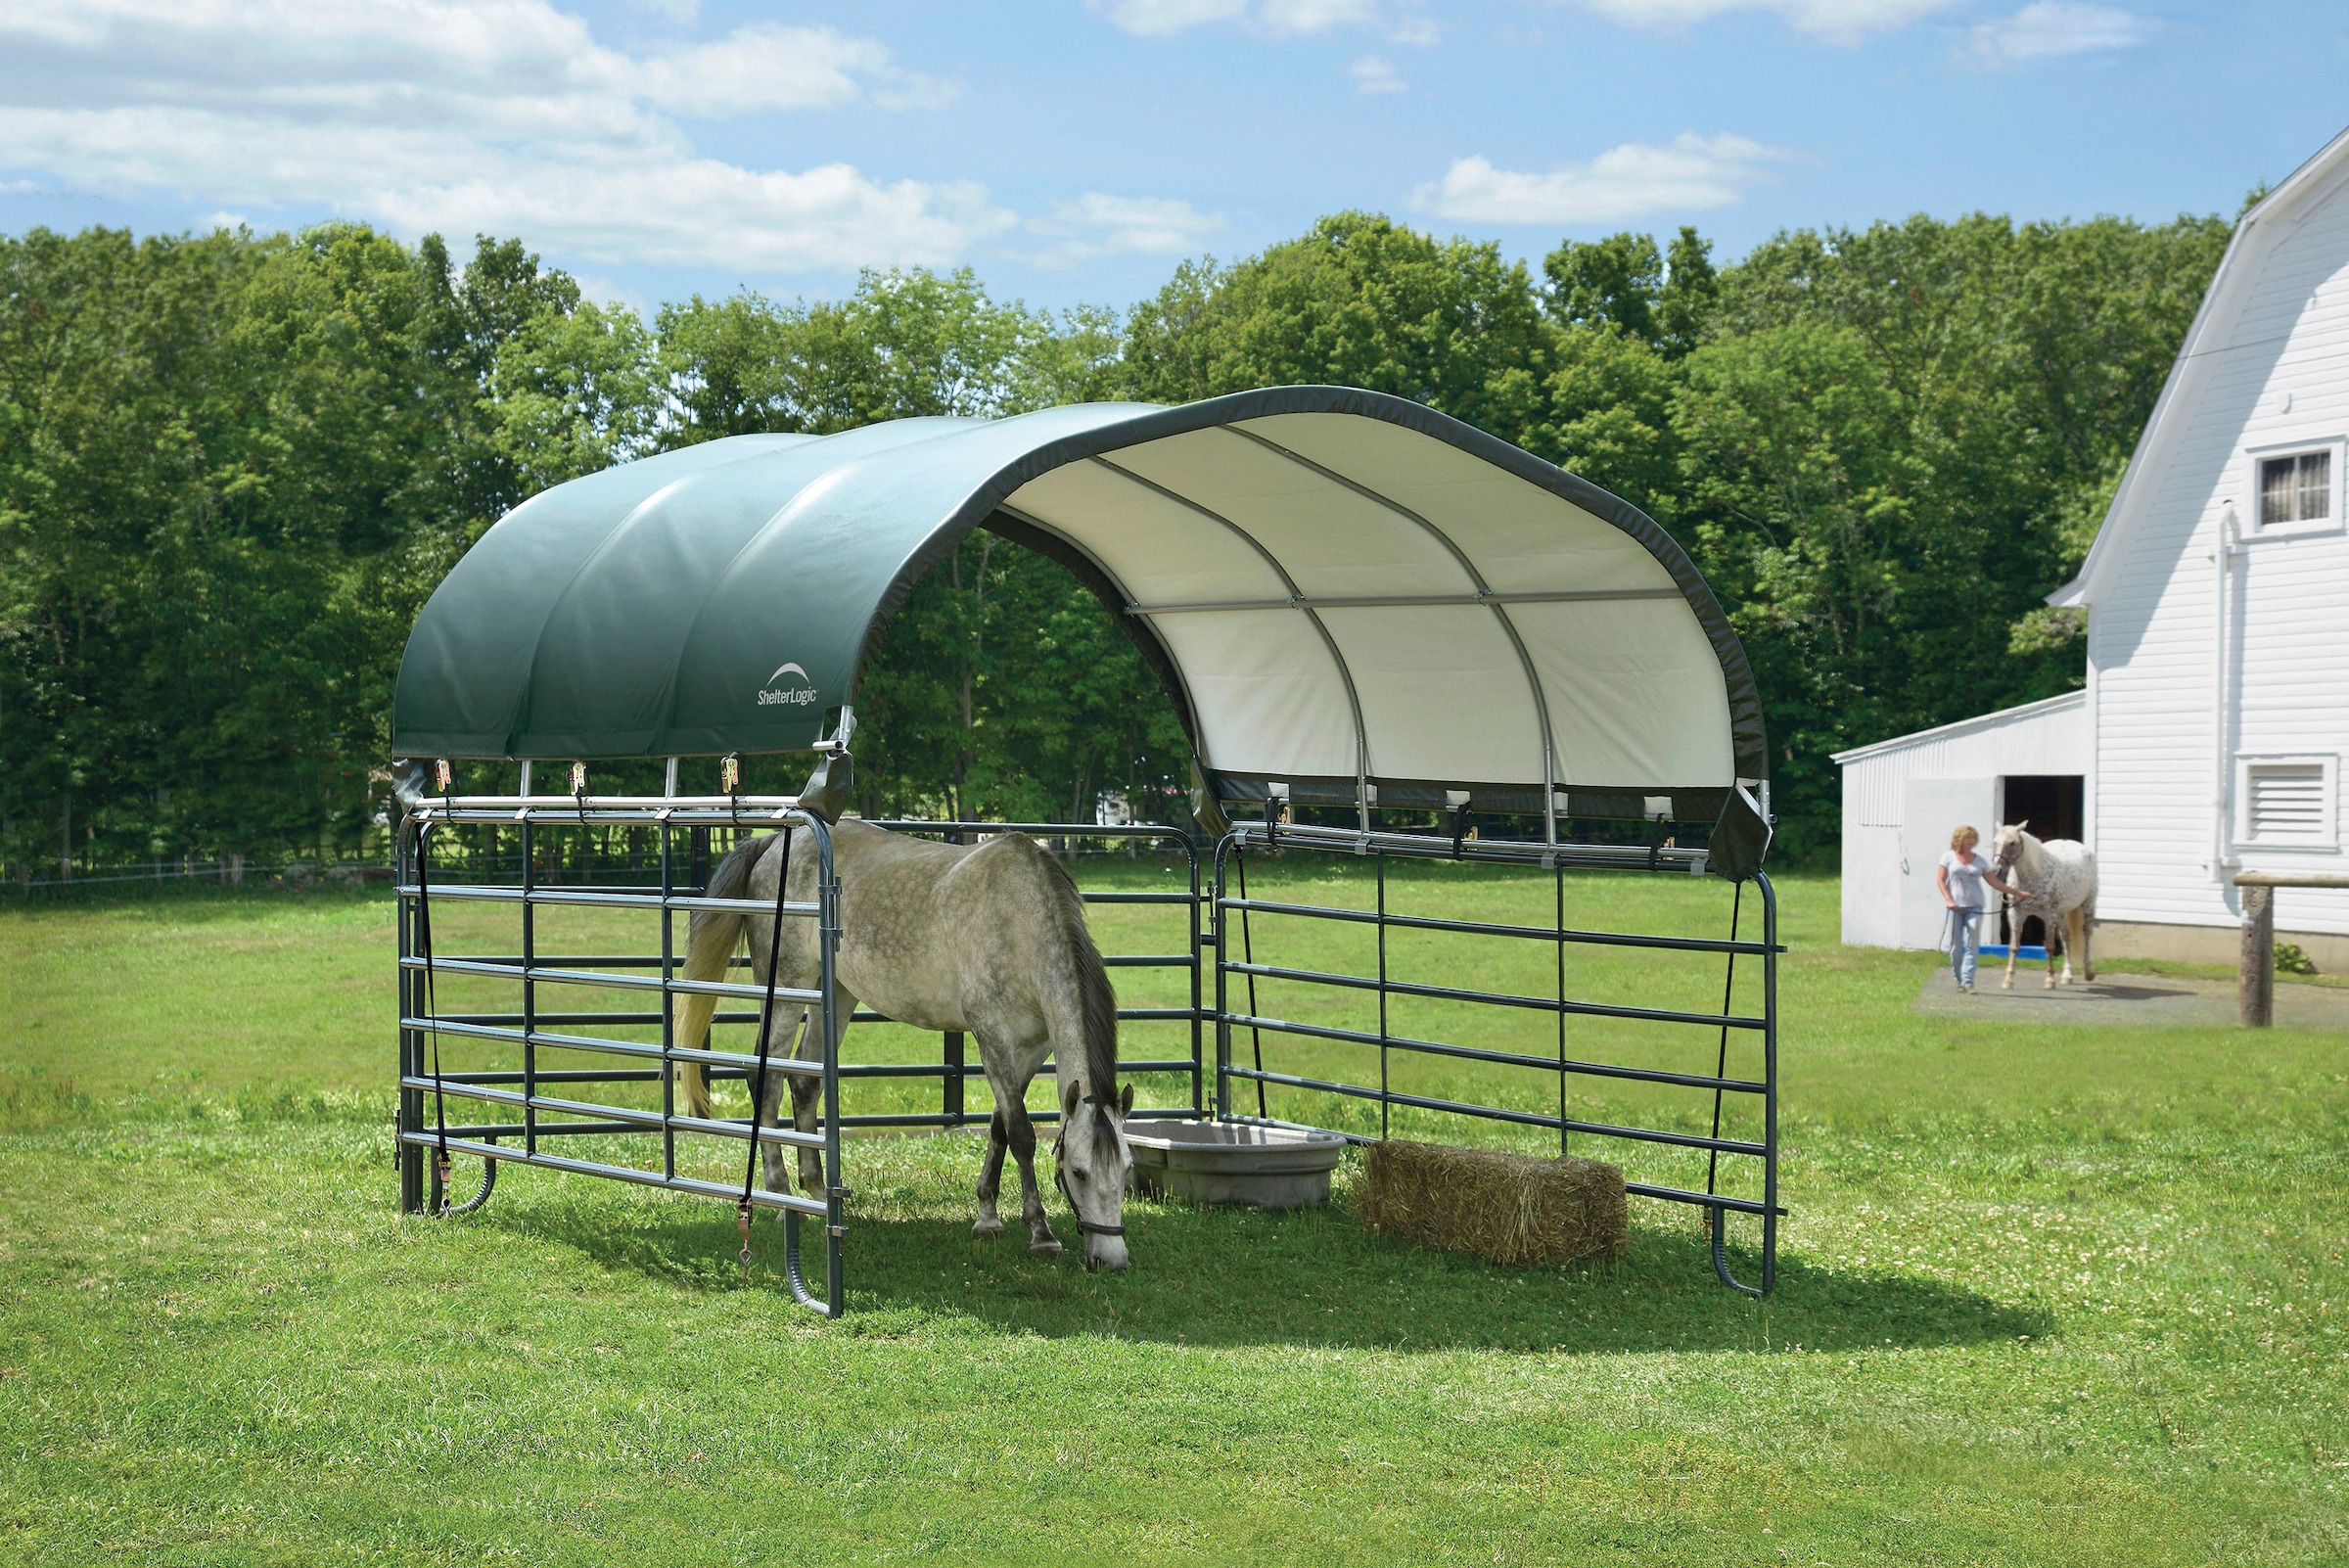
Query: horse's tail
[(714, 933)]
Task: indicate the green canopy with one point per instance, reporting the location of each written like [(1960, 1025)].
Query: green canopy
[(1348, 596)]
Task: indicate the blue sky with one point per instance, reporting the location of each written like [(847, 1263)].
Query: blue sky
[(1072, 152)]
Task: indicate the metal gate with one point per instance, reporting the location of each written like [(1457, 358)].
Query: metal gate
[(605, 1104), (1568, 1063), (513, 1108)]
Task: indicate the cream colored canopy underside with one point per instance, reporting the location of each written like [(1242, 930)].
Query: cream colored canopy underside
[(1348, 598)]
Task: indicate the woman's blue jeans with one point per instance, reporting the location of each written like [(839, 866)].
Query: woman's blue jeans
[(1965, 944)]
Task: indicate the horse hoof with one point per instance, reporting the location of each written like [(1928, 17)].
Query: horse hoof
[(1049, 1247), (988, 1226)]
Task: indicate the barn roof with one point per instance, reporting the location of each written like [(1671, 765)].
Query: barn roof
[(2209, 340), (1341, 591)]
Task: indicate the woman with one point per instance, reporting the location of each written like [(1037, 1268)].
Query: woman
[(1962, 876)]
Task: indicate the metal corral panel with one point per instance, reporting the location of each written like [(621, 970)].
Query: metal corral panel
[(1884, 854)]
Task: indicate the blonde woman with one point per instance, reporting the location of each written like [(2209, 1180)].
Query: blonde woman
[(1962, 877)]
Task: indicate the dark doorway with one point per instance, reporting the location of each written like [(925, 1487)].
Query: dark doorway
[(2053, 806)]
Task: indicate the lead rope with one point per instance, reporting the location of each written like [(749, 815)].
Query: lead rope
[(1728, 989), (766, 1024)]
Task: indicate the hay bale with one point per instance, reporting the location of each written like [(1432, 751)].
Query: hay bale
[(1510, 1208)]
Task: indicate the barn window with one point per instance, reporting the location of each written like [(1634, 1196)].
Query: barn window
[(2287, 801), (2295, 490)]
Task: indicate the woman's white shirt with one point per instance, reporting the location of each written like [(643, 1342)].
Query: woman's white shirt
[(1966, 872)]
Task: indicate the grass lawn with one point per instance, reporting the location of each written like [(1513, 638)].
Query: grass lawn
[(2047, 1296)]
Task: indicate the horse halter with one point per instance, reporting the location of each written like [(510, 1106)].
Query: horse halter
[(1060, 1179)]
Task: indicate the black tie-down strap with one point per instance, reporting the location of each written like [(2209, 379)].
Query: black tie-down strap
[(1717, 1219), (766, 1024)]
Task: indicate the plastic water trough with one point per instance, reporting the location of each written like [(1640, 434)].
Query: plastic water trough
[(1223, 1162)]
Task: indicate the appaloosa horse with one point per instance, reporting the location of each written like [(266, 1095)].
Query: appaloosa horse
[(988, 939), (2058, 877)]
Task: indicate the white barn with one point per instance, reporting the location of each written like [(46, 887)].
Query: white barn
[(2210, 735)]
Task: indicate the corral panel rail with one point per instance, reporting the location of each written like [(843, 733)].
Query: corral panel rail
[(537, 1022), (1559, 997)]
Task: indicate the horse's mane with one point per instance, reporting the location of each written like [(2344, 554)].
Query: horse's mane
[(1101, 1001)]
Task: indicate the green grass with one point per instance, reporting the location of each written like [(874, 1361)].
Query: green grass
[(2048, 1295)]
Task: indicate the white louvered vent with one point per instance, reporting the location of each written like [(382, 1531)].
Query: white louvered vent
[(2287, 802)]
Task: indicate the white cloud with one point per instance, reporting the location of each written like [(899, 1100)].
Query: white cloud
[(1691, 173), (764, 67), (1298, 19), (1274, 19), (1096, 225), (2054, 28), (1164, 18), (496, 114), (1373, 73), (1842, 22)]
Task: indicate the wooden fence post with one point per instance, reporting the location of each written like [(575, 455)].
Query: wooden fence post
[(2255, 981)]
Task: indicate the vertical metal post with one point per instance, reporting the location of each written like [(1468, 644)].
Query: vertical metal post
[(1223, 1002), (950, 1088), (410, 1115), (530, 992), (828, 954), (2255, 983), (668, 998), (1769, 1079), (1199, 942), (1383, 1102), (950, 1091), (1558, 875)]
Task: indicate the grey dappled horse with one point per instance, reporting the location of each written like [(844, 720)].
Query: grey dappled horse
[(2060, 876), (989, 940)]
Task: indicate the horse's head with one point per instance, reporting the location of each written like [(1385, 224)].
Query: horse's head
[(1092, 1161), (2009, 843)]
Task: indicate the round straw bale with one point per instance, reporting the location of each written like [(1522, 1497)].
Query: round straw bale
[(1510, 1208)]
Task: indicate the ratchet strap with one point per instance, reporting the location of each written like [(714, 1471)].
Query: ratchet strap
[(766, 1024)]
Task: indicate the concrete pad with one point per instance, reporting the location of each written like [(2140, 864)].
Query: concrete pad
[(2154, 1001)]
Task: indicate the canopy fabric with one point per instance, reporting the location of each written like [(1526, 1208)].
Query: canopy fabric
[(1348, 595)]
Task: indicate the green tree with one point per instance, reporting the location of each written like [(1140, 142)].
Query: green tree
[(1360, 302), (571, 392), (1664, 300)]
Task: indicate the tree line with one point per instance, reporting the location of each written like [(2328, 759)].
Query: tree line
[(232, 467)]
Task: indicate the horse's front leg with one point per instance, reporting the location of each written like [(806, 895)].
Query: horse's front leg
[(2054, 925), (2014, 944), (1018, 1135), (990, 1179)]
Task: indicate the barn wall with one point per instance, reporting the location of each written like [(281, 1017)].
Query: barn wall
[(2274, 371), (2044, 737)]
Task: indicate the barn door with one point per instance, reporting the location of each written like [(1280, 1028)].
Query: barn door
[(1930, 811)]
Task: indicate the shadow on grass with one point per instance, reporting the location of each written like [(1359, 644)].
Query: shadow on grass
[(1314, 1277)]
